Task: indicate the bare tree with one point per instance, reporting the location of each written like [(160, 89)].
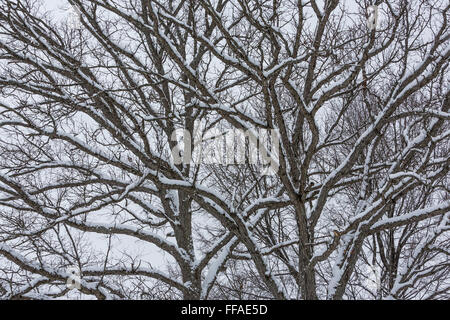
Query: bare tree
[(90, 165)]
